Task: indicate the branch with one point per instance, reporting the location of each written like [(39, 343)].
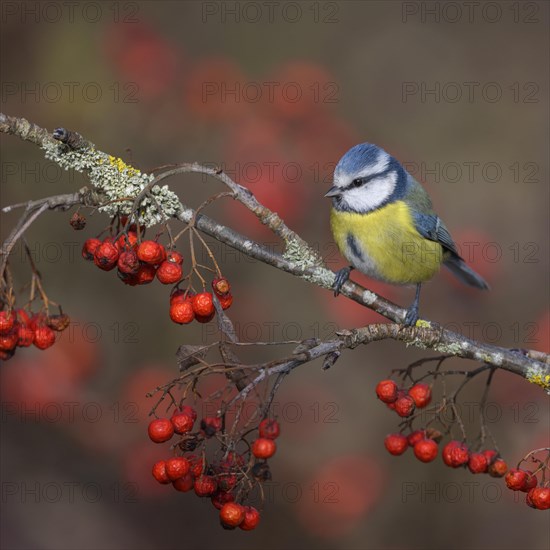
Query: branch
[(152, 204)]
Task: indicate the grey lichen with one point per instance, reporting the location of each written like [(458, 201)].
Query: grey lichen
[(300, 254), (119, 182)]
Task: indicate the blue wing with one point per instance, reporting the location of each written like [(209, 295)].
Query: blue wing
[(431, 227)]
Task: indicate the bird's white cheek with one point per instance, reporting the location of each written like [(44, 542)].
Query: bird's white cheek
[(372, 195)]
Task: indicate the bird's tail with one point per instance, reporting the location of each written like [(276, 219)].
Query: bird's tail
[(466, 274)]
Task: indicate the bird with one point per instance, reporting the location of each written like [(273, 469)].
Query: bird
[(384, 225)]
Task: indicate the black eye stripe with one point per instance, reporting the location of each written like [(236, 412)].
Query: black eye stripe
[(355, 183)]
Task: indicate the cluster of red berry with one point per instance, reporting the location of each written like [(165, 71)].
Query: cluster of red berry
[(139, 263), (19, 329), (136, 263), (226, 481), (538, 496), (425, 442), (186, 306)]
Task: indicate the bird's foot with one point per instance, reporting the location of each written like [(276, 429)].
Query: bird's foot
[(341, 277), (412, 316)]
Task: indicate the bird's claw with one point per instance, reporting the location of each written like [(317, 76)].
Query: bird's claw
[(342, 276), (412, 316)]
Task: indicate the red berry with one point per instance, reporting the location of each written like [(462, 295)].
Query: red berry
[(425, 450), (386, 390), (455, 454), (182, 312), (44, 337), (515, 479), (396, 444), (498, 468), (198, 465), (106, 255), (8, 340), (188, 410), (151, 252), (6, 354), (269, 428), (159, 472), (128, 262), (404, 406), (182, 423), (7, 321), (226, 301), (231, 514), (176, 467), (145, 274), (416, 436), (174, 256), (207, 319), (221, 286), (210, 425), (421, 394), (127, 242), (226, 482), (251, 519), (169, 273), (263, 448), (180, 295), (491, 455), (203, 304), (530, 482), (220, 498), (205, 486), (477, 463), (89, 248), (25, 336), (160, 430), (185, 483), (540, 497)]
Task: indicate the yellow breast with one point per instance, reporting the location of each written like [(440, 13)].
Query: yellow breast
[(385, 244)]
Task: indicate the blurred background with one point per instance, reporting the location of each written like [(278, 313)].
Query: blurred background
[(275, 93)]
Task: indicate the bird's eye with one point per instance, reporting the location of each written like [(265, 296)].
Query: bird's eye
[(357, 182)]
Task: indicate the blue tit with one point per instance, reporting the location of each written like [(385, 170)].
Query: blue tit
[(383, 223)]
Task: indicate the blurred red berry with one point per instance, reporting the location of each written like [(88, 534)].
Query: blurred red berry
[(251, 519), (220, 498), (515, 479), (197, 464), (203, 304), (169, 272), (498, 468), (221, 286), (421, 394), (159, 472), (269, 428), (89, 248), (188, 410), (455, 454), (425, 450), (174, 256), (128, 262), (185, 483), (106, 255), (44, 337), (25, 336), (151, 252), (404, 406), (160, 430), (386, 390), (210, 425), (176, 467), (477, 463), (231, 514), (226, 301), (540, 497), (183, 423), (145, 274), (416, 436), (128, 241), (396, 444), (226, 482), (205, 486), (491, 455), (8, 340), (7, 320), (264, 448), (182, 312), (530, 481)]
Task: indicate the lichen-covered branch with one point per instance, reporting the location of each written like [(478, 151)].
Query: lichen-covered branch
[(117, 188)]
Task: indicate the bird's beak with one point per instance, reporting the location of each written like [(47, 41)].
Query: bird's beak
[(334, 191)]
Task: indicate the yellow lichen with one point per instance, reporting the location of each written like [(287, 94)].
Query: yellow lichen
[(539, 377), (122, 167), (423, 324)]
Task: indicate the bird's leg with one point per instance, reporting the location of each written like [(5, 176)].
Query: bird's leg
[(412, 311), (341, 277)]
